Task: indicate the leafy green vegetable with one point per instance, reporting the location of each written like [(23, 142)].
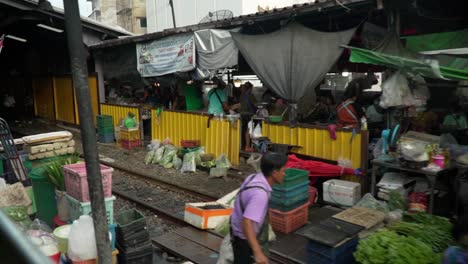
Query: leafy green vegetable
[(54, 171), (429, 220), (396, 201), (438, 239), (387, 247)]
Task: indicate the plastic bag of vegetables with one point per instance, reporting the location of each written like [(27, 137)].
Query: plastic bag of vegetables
[(189, 164), (169, 155), (158, 155), (223, 162), (150, 156), (177, 162)]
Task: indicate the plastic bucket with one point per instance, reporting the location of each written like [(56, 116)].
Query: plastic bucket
[(44, 196), (61, 234)]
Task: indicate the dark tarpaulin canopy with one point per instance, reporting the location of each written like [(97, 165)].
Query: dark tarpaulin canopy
[(391, 53), (292, 59)]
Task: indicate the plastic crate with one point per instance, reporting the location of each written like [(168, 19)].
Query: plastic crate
[(105, 130), (292, 191), (130, 221), (130, 144), (107, 138), (287, 222), (129, 135), (341, 254), (76, 182), (75, 208), (284, 208), (293, 177), (112, 230), (291, 200), (190, 143), (104, 121)]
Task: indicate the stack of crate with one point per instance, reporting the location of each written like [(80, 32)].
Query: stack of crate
[(105, 126), (130, 138), (78, 198), (289, 202)]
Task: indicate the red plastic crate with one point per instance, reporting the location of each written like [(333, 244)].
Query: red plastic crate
[(190, 143), (130, 144), (287, 222), (76, 182)]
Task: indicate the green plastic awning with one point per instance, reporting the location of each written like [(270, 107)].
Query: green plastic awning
[(457, 69), (438, 41)]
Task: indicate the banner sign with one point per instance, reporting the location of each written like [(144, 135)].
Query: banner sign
[(169, 55)]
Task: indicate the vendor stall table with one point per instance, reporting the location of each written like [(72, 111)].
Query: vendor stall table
[(430, 175)]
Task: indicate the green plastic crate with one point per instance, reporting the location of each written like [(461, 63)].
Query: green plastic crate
[(291, 192), (105, 130), (76, 208), (104, 121), (289, 201), (293, 178)]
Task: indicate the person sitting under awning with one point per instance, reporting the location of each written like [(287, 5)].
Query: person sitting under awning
[(349, 111)]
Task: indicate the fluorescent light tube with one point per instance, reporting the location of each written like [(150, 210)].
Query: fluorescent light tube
[(50, 28), (16, 38)]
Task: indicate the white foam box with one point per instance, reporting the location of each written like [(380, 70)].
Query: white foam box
[(341, 192), (206, 218)]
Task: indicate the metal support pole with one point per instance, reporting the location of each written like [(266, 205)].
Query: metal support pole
[(171, 3), (80, 81)]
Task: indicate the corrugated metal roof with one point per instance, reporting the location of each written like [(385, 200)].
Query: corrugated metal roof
[(277, 13)]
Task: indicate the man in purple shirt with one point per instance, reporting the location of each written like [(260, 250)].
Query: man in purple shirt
[(249, 220)]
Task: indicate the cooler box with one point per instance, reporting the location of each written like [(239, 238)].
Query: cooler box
[(341, 192), (206, 215)]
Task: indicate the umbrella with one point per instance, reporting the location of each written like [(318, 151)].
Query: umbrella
[(319, 169)]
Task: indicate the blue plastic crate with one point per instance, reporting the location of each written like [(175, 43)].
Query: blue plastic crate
[(109, 138), (320, 253), (112, 228), (300, 189)]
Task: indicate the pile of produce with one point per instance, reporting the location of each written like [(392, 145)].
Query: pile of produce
[(387, 246), (420, 238), (438, 239)]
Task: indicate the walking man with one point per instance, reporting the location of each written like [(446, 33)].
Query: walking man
[(249, 221)]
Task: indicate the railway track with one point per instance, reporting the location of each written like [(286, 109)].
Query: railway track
[(164, 199)]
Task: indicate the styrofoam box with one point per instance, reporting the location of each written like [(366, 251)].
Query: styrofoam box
[(341, 192), (203, 218)]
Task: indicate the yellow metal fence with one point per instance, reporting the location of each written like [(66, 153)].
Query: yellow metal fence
[(119, 112), (316, 142), (218, 137)]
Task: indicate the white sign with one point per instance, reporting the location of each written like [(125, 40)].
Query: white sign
[(169, 55)]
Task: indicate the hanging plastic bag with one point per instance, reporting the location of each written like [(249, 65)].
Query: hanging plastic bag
[(396, 92), (226, 253), (81, 240), (189, 164), (257, 132)]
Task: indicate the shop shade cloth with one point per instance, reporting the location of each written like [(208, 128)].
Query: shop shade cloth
[(215, 50), (293, 59)]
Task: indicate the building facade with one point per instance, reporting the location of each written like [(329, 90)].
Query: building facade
[(159, 13), (128, 14)]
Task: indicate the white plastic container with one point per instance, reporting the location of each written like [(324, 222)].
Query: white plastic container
[(341, 192)]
